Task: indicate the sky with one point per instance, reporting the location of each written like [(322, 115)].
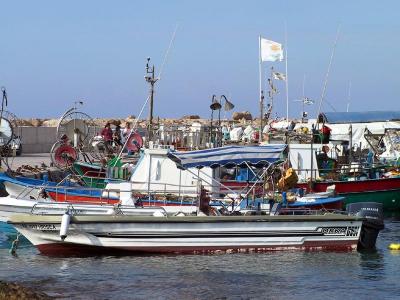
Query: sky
[(53, 53)]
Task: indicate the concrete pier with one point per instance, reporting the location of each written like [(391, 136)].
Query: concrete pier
[(32, 159)]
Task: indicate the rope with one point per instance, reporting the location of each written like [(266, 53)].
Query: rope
[(132, 130), (14, 245)]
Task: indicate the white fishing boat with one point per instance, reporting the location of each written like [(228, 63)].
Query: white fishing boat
[(244, 230), (80, 234)]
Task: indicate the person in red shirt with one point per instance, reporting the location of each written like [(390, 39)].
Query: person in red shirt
[(107, 134), (326, 133)]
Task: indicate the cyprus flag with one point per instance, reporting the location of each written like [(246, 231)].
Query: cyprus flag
[(271, 51)]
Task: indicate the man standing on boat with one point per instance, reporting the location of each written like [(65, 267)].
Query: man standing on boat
[(107, 135)]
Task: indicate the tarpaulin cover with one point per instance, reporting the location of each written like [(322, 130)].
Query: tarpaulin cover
[(359, 117), (228, 156)]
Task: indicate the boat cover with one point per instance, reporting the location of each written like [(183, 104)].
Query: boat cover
[(359, 117), (229, 156)]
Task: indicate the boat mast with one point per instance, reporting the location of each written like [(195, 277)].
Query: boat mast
[(287, 75), (151, 79), (261, 91)]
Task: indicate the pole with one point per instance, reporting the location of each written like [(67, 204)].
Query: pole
[(151, 106), (304, 98), (211, 129), (261, 92), (219, 139), (287, 75), (150, 78), (312, 161), (350, 144)]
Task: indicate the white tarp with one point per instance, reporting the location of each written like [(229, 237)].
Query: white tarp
[(340, 132), (300, 156)]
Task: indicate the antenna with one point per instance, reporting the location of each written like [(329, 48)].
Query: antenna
[(327, 73), (348, 97), (167, 53)]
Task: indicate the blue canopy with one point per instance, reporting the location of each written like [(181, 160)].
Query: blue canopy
[(228, 156), (359, 117)]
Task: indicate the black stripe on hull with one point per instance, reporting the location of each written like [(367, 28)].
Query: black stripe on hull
[(209, 235)]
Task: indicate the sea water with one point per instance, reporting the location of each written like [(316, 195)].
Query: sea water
[(273, 275)]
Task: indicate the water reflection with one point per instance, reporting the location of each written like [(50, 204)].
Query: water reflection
[(249, 275), (372, 265)]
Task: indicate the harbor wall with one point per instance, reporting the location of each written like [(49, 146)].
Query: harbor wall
[(37, 139)]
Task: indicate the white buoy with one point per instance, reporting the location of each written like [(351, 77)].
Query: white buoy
[(66, 219)]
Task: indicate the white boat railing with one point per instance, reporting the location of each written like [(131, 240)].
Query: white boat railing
[(159, 192), (57, 208)]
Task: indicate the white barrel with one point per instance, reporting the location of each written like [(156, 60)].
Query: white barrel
[(66, 219)]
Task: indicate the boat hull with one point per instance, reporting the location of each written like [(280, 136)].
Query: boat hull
[(18, 190), (190, 234), (329, 203), (60, 196), (384, 190)]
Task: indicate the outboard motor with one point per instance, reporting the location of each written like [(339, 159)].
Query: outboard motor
[(372, 215)]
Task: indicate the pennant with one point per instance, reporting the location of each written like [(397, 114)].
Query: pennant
[(279, 76)]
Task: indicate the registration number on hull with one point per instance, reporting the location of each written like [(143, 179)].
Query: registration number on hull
[(42, 227)]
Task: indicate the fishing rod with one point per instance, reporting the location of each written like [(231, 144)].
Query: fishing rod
[(327, 73)]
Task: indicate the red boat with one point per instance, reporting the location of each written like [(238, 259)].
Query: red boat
[(382, 190)]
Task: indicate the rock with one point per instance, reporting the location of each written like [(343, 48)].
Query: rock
[(14, 291), (113, 122), (36, 122), (130, 119), (191, 117), (23, 122), (238, 116), (50, 123)]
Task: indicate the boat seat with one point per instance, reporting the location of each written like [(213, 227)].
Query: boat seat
[(275, 209)]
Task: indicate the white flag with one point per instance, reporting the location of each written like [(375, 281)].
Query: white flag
[(271, 51), (279, 76)]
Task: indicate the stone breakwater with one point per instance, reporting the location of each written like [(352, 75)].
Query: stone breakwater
[(239, 117)]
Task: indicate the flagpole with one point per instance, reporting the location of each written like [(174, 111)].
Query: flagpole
[(287, 75), (261, 93)]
